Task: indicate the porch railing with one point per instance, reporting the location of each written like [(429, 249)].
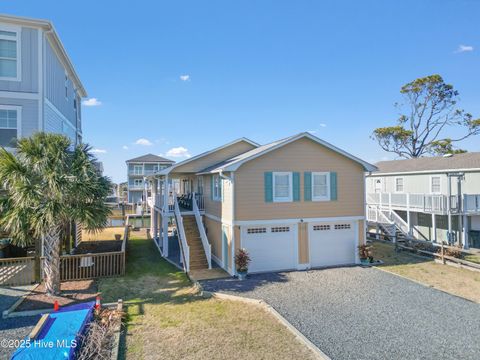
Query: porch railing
[(17, 271), (471, 203), (430, 203), (201, 229), (184, 248)]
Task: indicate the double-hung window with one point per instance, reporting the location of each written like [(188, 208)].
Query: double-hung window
[(399, 184), (320, 186), (9, 53), (138, 183), (435, 185), (137, 169), (216, 188), (282, 186), (9, 125)]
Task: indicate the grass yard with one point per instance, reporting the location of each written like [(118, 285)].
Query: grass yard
[(168, 319), (106, 234), (457, 281)]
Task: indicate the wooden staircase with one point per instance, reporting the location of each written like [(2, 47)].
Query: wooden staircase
[(198, 259)]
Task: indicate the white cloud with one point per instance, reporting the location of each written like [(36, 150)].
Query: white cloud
[(178, 152), (313, 132), (92, 102), (143, 142), (464, 48), (323, 125), (125, 147), (98, 151), (185, 77)]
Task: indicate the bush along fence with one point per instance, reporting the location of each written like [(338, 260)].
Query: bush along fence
[(21, 271)]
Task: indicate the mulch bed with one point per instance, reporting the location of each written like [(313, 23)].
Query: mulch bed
[(92, 247), (71, 292)]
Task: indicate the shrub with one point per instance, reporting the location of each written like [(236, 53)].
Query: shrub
[(242, 259)]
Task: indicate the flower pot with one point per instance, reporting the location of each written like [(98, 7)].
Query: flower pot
[(364, 261), (118, 237), (242, 275)]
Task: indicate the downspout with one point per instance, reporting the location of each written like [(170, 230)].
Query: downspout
[(231, 179)]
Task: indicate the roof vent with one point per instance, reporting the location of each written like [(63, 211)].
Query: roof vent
[(447, 155)]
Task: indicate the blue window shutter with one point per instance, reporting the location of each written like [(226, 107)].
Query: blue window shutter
[(307, 186), (333, 186), (268, 187), (296, 186)]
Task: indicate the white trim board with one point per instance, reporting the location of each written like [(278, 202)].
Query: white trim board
[(294, 221), (19, 95), (439, 171)]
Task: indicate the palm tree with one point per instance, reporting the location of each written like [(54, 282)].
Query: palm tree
[(48, 184)]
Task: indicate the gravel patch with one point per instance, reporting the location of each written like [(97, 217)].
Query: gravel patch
[(364, 313), (13, 328)]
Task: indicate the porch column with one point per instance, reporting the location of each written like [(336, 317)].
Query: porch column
[(409, 223), (153, 215), (165, 234), (465, 231), (434, 226)]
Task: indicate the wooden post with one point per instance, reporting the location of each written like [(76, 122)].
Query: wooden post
[(443, 254)]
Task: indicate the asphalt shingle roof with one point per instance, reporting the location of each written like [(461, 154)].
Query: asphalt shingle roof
[(436, 163), (150, 158)]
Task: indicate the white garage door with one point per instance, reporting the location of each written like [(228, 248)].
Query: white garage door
[(271, 248), (332, 243)]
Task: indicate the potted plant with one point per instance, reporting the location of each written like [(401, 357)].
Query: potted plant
[(242, 259), (118, 237), (365, 253)]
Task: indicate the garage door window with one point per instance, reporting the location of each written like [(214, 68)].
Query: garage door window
[(321, 227), (320, 186), (256, 230), (277, 229), (342, 226), (282, 186)]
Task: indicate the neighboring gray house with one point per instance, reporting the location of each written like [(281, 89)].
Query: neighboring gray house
[(428, 197), (39, 88), (137, 169)]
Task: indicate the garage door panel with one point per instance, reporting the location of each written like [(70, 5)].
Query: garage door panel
[(332, 244), (271, 248)]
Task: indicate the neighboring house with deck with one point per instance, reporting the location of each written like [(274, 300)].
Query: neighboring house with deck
[(137, 169), (428, 198), (295, 203), (39, 87)]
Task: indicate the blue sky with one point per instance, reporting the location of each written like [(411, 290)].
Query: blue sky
[(192, 75)]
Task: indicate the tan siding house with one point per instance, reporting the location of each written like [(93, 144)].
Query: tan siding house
[(296, 203)]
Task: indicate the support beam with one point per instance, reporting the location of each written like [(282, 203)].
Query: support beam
[(165, 234), (465, 228), (434, 226)]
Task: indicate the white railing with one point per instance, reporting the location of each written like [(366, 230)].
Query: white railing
[(431, 203), (200, 201), (184, 248), (471, 203), (372, 214), (150, 202), (201, 229), (399, 222)]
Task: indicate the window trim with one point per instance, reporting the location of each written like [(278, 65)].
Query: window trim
[(439, 184), (395, 184), (141, 169), (288, 198), (19, 120), (327, 176), (18, 38), (135, 183), (216, 179)]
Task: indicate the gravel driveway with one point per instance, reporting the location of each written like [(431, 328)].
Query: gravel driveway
[(13, 328), (364, 313)]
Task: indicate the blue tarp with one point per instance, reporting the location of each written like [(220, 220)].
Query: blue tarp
[(60, 336)]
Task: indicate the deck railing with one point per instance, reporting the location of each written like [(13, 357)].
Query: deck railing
[(201, 229), (184, 248), (429, 203), (17, 271)]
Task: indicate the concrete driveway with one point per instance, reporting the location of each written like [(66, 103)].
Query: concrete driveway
[(364, 313)]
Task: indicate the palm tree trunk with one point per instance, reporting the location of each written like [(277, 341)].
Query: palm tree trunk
[(52, 262)]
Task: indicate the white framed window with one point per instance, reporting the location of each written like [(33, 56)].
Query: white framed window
[(321, 227), (320, 186), (200, 184), (342, 226), (282, 186), (10, 61), (137, 169), (138, 183), (435, 186), (399, 184), (256, 230), (10, 125), (277, 229), (217, 188)]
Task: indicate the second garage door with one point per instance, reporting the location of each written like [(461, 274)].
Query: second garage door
[(332, 243), (271, 248)]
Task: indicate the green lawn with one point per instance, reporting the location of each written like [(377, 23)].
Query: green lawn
[(457, 281), (167, 318)]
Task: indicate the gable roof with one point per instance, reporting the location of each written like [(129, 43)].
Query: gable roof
[(150, 158), (206, 153), (235, 162), (436, 163), (53, 37)]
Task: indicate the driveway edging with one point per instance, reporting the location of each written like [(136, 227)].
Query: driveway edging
[(264, 305)]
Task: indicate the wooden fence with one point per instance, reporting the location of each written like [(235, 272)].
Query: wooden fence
[(21, 271), (17, 271)]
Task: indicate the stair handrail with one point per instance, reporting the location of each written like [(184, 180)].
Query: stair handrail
[(201, 229), (399, 222), (184, 248)]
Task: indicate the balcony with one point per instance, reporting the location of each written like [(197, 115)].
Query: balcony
[(142, 172)]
